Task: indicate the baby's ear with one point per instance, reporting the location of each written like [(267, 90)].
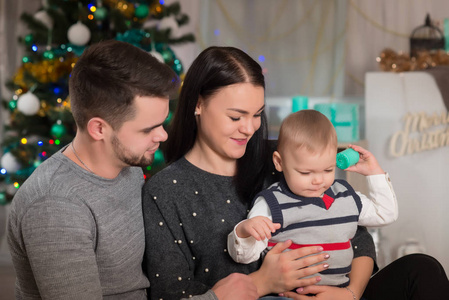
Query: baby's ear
[(277, 160)]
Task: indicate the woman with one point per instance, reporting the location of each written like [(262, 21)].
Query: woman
[(218, 161)]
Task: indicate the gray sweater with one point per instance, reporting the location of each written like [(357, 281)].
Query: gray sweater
[(74, 235), (188, 214)]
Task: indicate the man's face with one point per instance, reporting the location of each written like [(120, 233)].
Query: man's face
[(135, 143)]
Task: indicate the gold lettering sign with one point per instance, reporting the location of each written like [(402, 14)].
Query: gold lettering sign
[(421, 132)]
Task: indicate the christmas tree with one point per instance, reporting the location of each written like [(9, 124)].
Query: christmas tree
[(40, 120)]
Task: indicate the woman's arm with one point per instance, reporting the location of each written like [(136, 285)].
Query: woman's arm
[(360, 274), (163, 256)]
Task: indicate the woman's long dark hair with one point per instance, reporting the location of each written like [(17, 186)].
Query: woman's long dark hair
[(214, 69)]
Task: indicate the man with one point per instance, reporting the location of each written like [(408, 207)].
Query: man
[(75, 228)]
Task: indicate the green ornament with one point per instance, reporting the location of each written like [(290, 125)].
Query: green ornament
[(49, 55), (12, 105), (169, 117), (167, 55), (26, 59), (158, 158), (142, 11), (58, 130), (3, 200), (177, 67), (29, 39), (101, 13)]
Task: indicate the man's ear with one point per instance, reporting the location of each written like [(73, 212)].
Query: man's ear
[(97, 128), (277, 160)]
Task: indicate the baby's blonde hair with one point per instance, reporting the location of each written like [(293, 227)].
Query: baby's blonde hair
[(307, 128)]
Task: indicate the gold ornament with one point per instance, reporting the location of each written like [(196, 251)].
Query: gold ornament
[(391, 61), (441, 58), (423, 60), (125, 7), (18, 77), (156, 9), (41, 112), (50, 70)]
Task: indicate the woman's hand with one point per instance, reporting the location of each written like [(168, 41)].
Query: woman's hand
[(284, 271), (322, 292), (361, 270)]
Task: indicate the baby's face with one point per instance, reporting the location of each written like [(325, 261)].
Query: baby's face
[(308, 174)]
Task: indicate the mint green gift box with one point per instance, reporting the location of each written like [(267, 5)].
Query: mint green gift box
[(344, 117), (299, 103)]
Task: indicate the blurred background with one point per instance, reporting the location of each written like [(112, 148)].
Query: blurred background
[(368, 64)]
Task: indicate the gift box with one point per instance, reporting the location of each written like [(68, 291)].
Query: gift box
[(344, 117), (299, 103)]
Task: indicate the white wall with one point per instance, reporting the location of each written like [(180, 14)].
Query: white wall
[(420, 179)]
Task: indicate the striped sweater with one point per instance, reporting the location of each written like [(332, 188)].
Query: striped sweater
[(330, 221), (310, 221)]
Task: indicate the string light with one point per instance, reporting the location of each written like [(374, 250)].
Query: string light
[(51, 142), (57, 142), (3, 171), (40, 143), (24, 141), (16, 185)]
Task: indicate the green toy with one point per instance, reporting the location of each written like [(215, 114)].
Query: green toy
[(347, 158)]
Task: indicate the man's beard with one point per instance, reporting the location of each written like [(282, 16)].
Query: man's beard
[(122, 153)]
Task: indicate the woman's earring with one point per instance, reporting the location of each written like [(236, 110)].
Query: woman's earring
[(196, 113)]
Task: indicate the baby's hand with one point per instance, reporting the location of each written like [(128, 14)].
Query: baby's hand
[(367, 164), (258, 227)]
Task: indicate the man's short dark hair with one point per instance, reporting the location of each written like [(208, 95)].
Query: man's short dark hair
[(107, 78)]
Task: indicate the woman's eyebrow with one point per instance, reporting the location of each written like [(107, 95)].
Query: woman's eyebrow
[(244, 111)]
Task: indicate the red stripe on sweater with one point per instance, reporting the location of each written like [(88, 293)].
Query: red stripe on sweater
[(326, 247)]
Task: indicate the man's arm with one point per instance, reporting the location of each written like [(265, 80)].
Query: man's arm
[(59, 240)]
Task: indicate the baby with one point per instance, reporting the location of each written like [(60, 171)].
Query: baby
[(309, 206)]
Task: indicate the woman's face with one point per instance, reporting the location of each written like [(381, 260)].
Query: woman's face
[(228, 120)]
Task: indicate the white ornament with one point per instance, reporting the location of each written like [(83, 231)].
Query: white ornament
[(150, 23), (170, 22), (78, 34), (10, 163), (158, 56), (43, 17), (28, 104)]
